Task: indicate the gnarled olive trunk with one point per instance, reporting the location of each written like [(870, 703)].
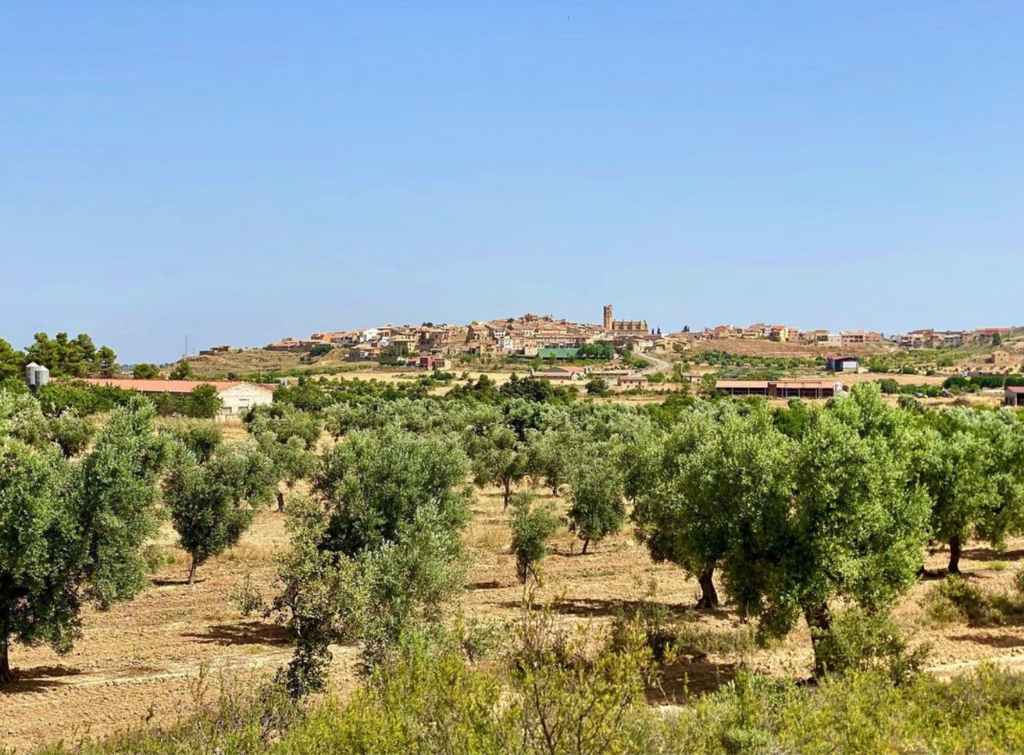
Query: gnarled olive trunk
[(586, 544), (955, 550), (820, 621), (192, 570), (5, 664), (280, 501), (708, 593), (507, 493)]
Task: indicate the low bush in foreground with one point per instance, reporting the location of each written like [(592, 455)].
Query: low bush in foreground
[(427, 701), (955, 599)]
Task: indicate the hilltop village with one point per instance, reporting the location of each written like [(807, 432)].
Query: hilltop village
[(530, 334), (633, 356)]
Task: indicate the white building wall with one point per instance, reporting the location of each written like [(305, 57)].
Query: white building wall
[(241, 398)]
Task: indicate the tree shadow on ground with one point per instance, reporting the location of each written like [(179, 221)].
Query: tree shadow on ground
[(244, 633), (573, 551), (163, 582), (991, 554), (597, 607), (689, 677), (37, 679), (490, 584), (937, 575), (993, 641)]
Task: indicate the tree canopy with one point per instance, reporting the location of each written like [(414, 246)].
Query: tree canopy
[(212, 503), (71, 530), (71, 357)]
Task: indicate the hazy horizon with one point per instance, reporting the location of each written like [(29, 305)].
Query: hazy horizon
[(251, 172)]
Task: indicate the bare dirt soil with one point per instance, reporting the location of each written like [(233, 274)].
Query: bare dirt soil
[(158, 657), (243, 362)]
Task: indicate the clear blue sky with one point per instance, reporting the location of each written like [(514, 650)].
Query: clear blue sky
[(267, 169)]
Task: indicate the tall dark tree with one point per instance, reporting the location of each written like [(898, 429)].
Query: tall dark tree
[(11, 362), (145, 371)]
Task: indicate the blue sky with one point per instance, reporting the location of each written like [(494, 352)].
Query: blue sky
[(267, 169)]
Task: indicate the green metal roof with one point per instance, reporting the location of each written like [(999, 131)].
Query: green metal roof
[(558, 353)]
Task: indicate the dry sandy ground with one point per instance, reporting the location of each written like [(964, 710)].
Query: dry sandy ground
[(763, 348), (152, 659)]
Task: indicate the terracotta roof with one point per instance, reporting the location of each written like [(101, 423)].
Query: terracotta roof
[(764, 384), (168, 386), (1015, 388), (760, 384), (823, 384)]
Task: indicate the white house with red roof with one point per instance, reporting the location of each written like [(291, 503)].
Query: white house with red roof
[(236, 397)]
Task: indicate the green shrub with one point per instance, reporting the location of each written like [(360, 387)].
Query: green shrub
[(156, 557), (597, 387), (247, 598), (71, 432), (200, 437), (694, 639), (956, 599), (859, 640), (424, 701)]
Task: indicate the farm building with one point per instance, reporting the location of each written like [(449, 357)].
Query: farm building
[(635, 380), (236, 397), (810, 389), (1014, 396), (842, 364)]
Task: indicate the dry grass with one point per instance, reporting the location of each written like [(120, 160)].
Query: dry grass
[(137, 661)]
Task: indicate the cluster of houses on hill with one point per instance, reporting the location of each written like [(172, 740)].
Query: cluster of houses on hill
[(936, 339), (915, 339), (526, 336), (786, 334)]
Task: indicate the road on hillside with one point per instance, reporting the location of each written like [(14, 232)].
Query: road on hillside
[(657, 364)]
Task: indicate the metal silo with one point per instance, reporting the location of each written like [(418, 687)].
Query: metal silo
[(36, 375)]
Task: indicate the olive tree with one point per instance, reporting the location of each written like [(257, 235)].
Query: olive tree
[(532, 526), (970, 464), (377, 549), (549, 455), (71, 531), (70, 432), (181, 371), (499, 458), (201, 438), (213, 503), (288, 437), (597, 504), (850, 528), (715, 471)]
